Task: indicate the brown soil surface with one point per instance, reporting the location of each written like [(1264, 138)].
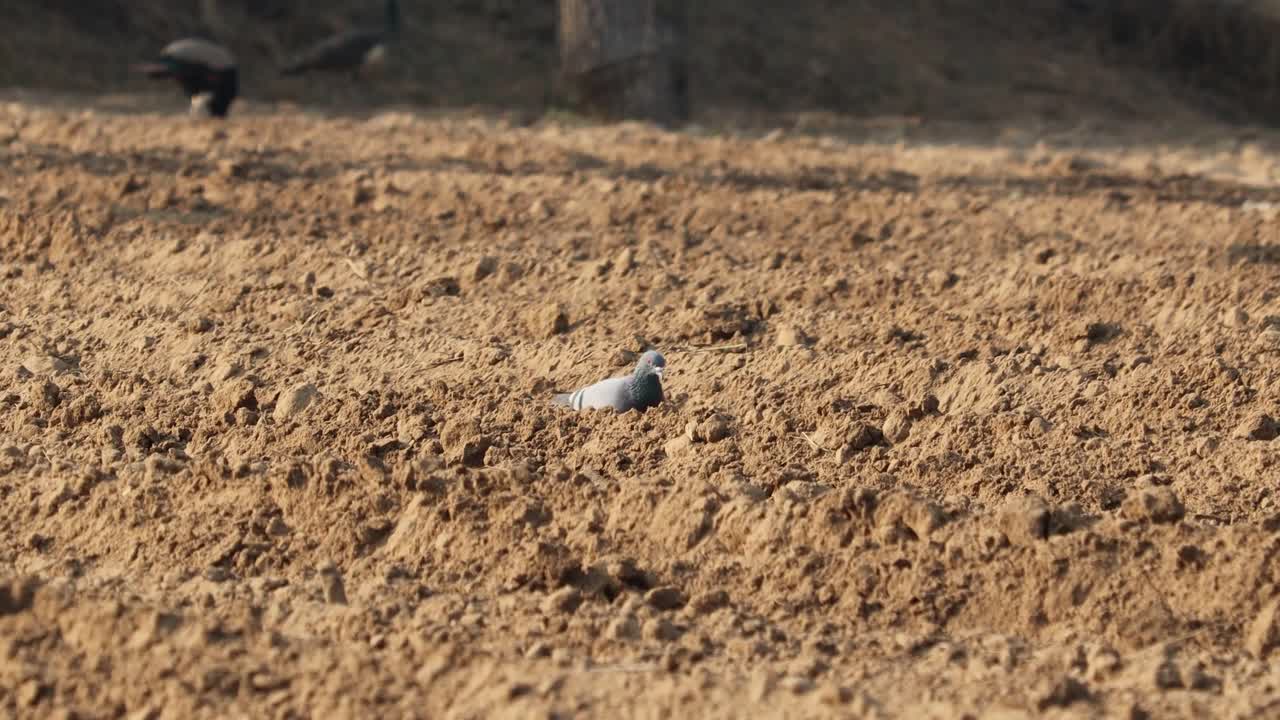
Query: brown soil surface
[(993, 429), (962, 420)]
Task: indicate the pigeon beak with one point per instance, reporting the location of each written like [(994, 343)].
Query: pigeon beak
[(659, 370)]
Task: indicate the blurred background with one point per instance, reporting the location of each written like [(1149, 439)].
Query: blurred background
[(1051, 62)]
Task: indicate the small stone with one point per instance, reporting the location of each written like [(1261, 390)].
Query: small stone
[(1024, 519), (897, 426), (293, 401), (1154, 504), (1257, 426), (565, 600), (790, 336), (665, 598)]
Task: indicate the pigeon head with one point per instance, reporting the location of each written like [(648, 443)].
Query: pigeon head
[(651, 363)]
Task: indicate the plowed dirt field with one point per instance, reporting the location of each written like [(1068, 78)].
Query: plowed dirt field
[(951, 430)]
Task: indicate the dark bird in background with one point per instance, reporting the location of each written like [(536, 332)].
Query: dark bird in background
[(350, 51), (205, 70)]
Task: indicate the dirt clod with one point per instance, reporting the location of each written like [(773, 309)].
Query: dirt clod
[(293, 401), (790, 336), (1154, 504), (713, 429), (548, 321), (45, 365), (464, 443), (1258, 426), (709, 601), (897, 426), (565, 600), (1024, 519), (665, 598), (232, 396)]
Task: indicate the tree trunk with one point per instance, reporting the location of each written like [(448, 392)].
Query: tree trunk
[(626, 58)]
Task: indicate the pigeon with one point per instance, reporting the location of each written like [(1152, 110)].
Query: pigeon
[(640, 390), (206, 71), (349, 51)]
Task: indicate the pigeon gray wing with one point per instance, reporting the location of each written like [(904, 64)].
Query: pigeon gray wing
[(611, 393)]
